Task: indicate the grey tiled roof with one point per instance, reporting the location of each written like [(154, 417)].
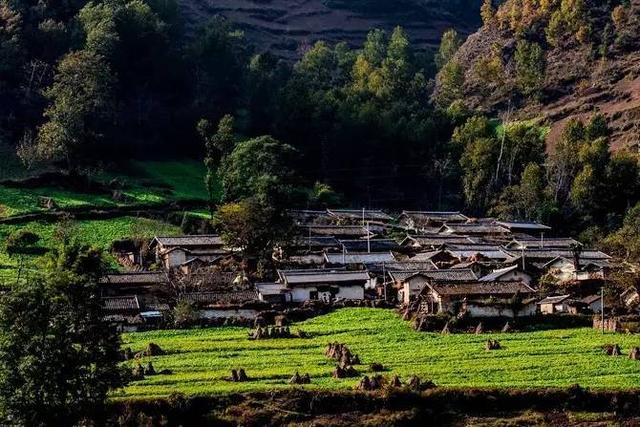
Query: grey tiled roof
[(477, 228), (359, 258), (336, 230), (186, 241), (555, 299), (495, 275), (375, 245), (435, 216), (300, 277), (445, 275), (147, 277), (357, 214), (122, 303), (229, 297), (482, 288), (523, 225)]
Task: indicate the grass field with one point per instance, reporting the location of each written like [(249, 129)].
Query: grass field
[(146, 183), (201, 359), (97, 232)]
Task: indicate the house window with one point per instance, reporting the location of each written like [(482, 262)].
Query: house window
[(313, 295)]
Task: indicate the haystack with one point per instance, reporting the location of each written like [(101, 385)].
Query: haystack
[(150, 369), (479, 329), (635, 353), (242, 375), (153, 349), (506, 328), (364, 384)]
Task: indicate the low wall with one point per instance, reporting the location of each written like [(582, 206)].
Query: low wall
[(628, 324)]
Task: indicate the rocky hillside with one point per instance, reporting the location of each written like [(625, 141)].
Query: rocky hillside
[(555, 60), (285, 27)]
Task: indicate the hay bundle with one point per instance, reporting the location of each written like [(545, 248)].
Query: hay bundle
[(479, 329), (376, 367), (612, 349), (242, 375), (635, 353), (395, 382), (378, 382), (414, 383), (350, 371), (234, 375), (306, 379), (150, 369), (137, 373), (364, 384), (295, 379), (338, 372), (281, 320), (492, 345), (506, 328), (153, 349)]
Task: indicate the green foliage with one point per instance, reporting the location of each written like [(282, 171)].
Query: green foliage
[(202, 358), (253, 227), (217, 146), (58, 358), (626, 241), (530, 66), (261, 168), (20, 241), (449, 45), (80, 111)]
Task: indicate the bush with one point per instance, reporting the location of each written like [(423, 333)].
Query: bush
[(21, 242)]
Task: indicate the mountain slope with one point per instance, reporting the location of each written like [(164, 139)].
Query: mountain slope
[(285, 27), (584, 71)]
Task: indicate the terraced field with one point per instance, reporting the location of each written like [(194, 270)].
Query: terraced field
[(202, 359)]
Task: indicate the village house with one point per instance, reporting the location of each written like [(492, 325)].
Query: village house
[(524, 242), (593, 303), (424, 221), (477, 229), (631, 298), (307, 217), (369, 245), (563, 269), (527, 228), (512, 273), (409, 284), (559, 304), (313, 285), (359, 216), (338, 231), (357, 259), (224, 303), (145, 282), (177, 250), (429, 242), (478, 299)]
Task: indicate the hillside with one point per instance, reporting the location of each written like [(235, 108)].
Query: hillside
[(286, 27), (590, 64)]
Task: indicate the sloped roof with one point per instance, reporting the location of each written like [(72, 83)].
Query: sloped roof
[(359, 258), (146, 277), (217, 298), (306, 216), (435, 216), (436, 240), (481, 288), (561, 253), (444, 275), (487, 251), (547, 242), (590, 299), (556, 299), (122, 303), (358, 214), (188, 240), (523, 225), (314, 242), (337, 230), (495, 275), (404, 266), (375, 245), (474, 228), (301, 277)]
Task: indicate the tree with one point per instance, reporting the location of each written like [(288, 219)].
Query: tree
[(58, 358), (260, 167), (487, 12), (217, 145), (530, 66), (253, 227), (626, 240), (81, 110), (451, 82), (449, 45)]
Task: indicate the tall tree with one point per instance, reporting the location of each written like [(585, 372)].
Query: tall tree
[(81, 110), (58, 358)]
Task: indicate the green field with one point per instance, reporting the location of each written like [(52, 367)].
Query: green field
[(146, 183), (201, 359), (99, 233)]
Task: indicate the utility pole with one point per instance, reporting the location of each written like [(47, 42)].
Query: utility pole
[(344, 255), (363, 217), (542, 240), (384, 281), (368, 239)]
